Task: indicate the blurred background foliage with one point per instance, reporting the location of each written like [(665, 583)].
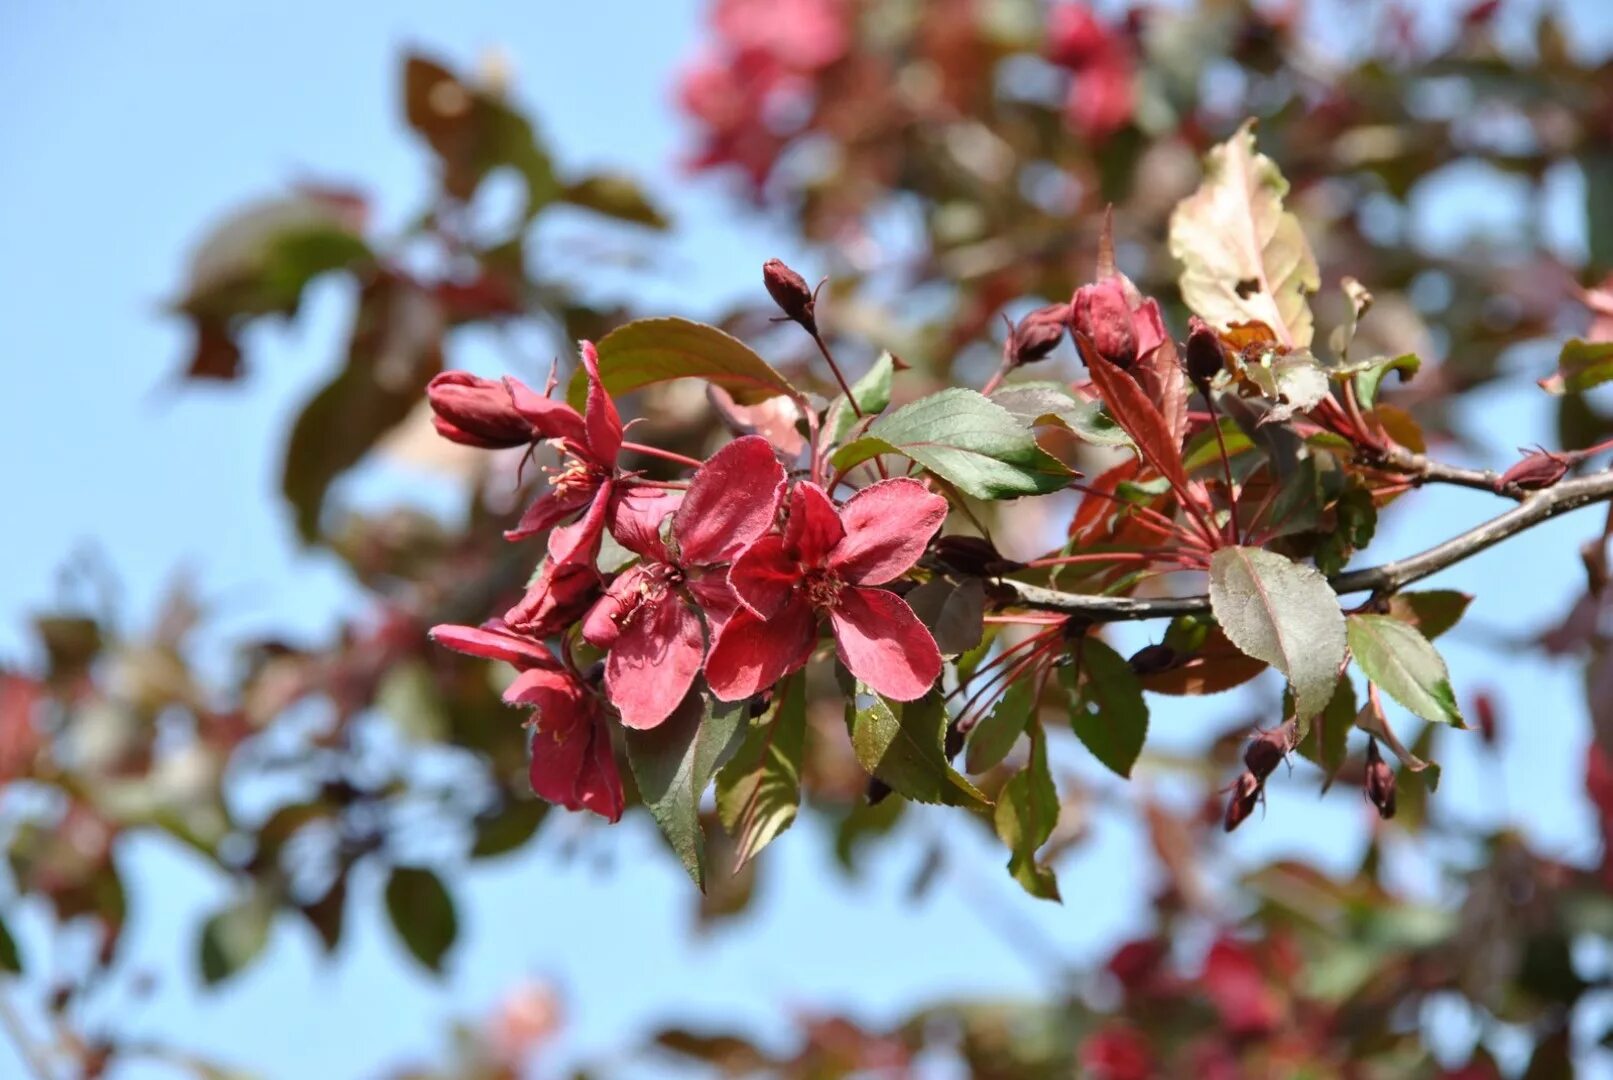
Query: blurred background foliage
[(946, 164)]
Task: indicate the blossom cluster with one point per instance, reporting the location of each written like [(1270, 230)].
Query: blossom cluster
[(732, 573)]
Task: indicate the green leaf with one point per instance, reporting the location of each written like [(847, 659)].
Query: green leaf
[(1107, 710), (997, 732), (675, 760), (651, 351), (1052, 403), (617, 196), (1276, 610), (10, 957), (1402, 662), (508, 828), (1323, 739), (395, 350), (759, 791), (423, 914), (1580, 366), (1368, 379), (234, 937), (873, 395), (1431, 611), (901, 744), (1027, 810), (1244, 258), (966, 440)]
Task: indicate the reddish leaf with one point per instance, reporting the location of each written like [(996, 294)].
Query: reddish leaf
[(1129, 404)]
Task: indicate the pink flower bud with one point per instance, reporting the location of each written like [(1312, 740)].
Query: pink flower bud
[(1037, 334), (790, 292), (1245, 796), (1380, 782), (1101, 318), (476, 412)]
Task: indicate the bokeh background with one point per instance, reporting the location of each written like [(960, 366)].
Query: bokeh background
[(129, 129)]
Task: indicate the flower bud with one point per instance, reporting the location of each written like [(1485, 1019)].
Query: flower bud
[(1100, 315), (1205, 358), (1535, 471), (1268, 750), (1153, 659), (1380, 782), (1245, 795), (1037, 334), (476, 412), (790, 292), (1484, 716)]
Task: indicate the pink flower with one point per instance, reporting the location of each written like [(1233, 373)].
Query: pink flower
[(1234, 983), (826, 563), (648, 617), (572, 763), (1101, 98), (1116, 1052), (1112, 318)]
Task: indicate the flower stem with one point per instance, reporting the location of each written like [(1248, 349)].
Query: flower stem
[(664, 455)]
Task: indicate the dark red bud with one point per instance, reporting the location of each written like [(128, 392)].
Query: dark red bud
[(1538, 470), (1153, 659), (1205, 356), (1484, 716), (1037, 334), (1100, 315), (975, 556), (1269, 749), (790, 292), (1380, 782), (476, 412), (1245, 796)]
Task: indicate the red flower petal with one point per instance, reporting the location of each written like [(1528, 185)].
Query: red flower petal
[(715, 599), (636, 514), (579, 541), (494, 642), (882, 642), (654, 661), (731, 501), (603, 422), (814, 527), (750, 655), (549, 510), (887, 526), (604, 622), (556, 599), (549, 419), (572, 764), (765, 576)]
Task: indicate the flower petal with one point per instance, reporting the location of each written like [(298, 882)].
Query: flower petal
[(604, 621), (765, 576), (636, 514), (715, 599), (731, 501), (579, 541), (572, 764), (603, 422), (494, 641), (882, 642), (549, 419), (654, 661), (558, 597), (750, 655), (548, 510), (887, 526), (814, 527)]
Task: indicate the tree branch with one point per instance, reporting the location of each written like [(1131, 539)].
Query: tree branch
[(1426, 470), (1535, 508)]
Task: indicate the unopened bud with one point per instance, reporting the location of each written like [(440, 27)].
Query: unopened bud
[(1484, 716), (1245, 796), (1268, 750), (1153, 659), (1205, 357), (1101, 319), (1380, 782), (1535, 471), (476, 412), (790, 292), (1037, 334)]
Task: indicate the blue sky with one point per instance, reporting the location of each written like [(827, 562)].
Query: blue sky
[(128, 128)]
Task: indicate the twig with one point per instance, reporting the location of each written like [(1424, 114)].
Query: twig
[(1426, 470), (1535, 508)]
